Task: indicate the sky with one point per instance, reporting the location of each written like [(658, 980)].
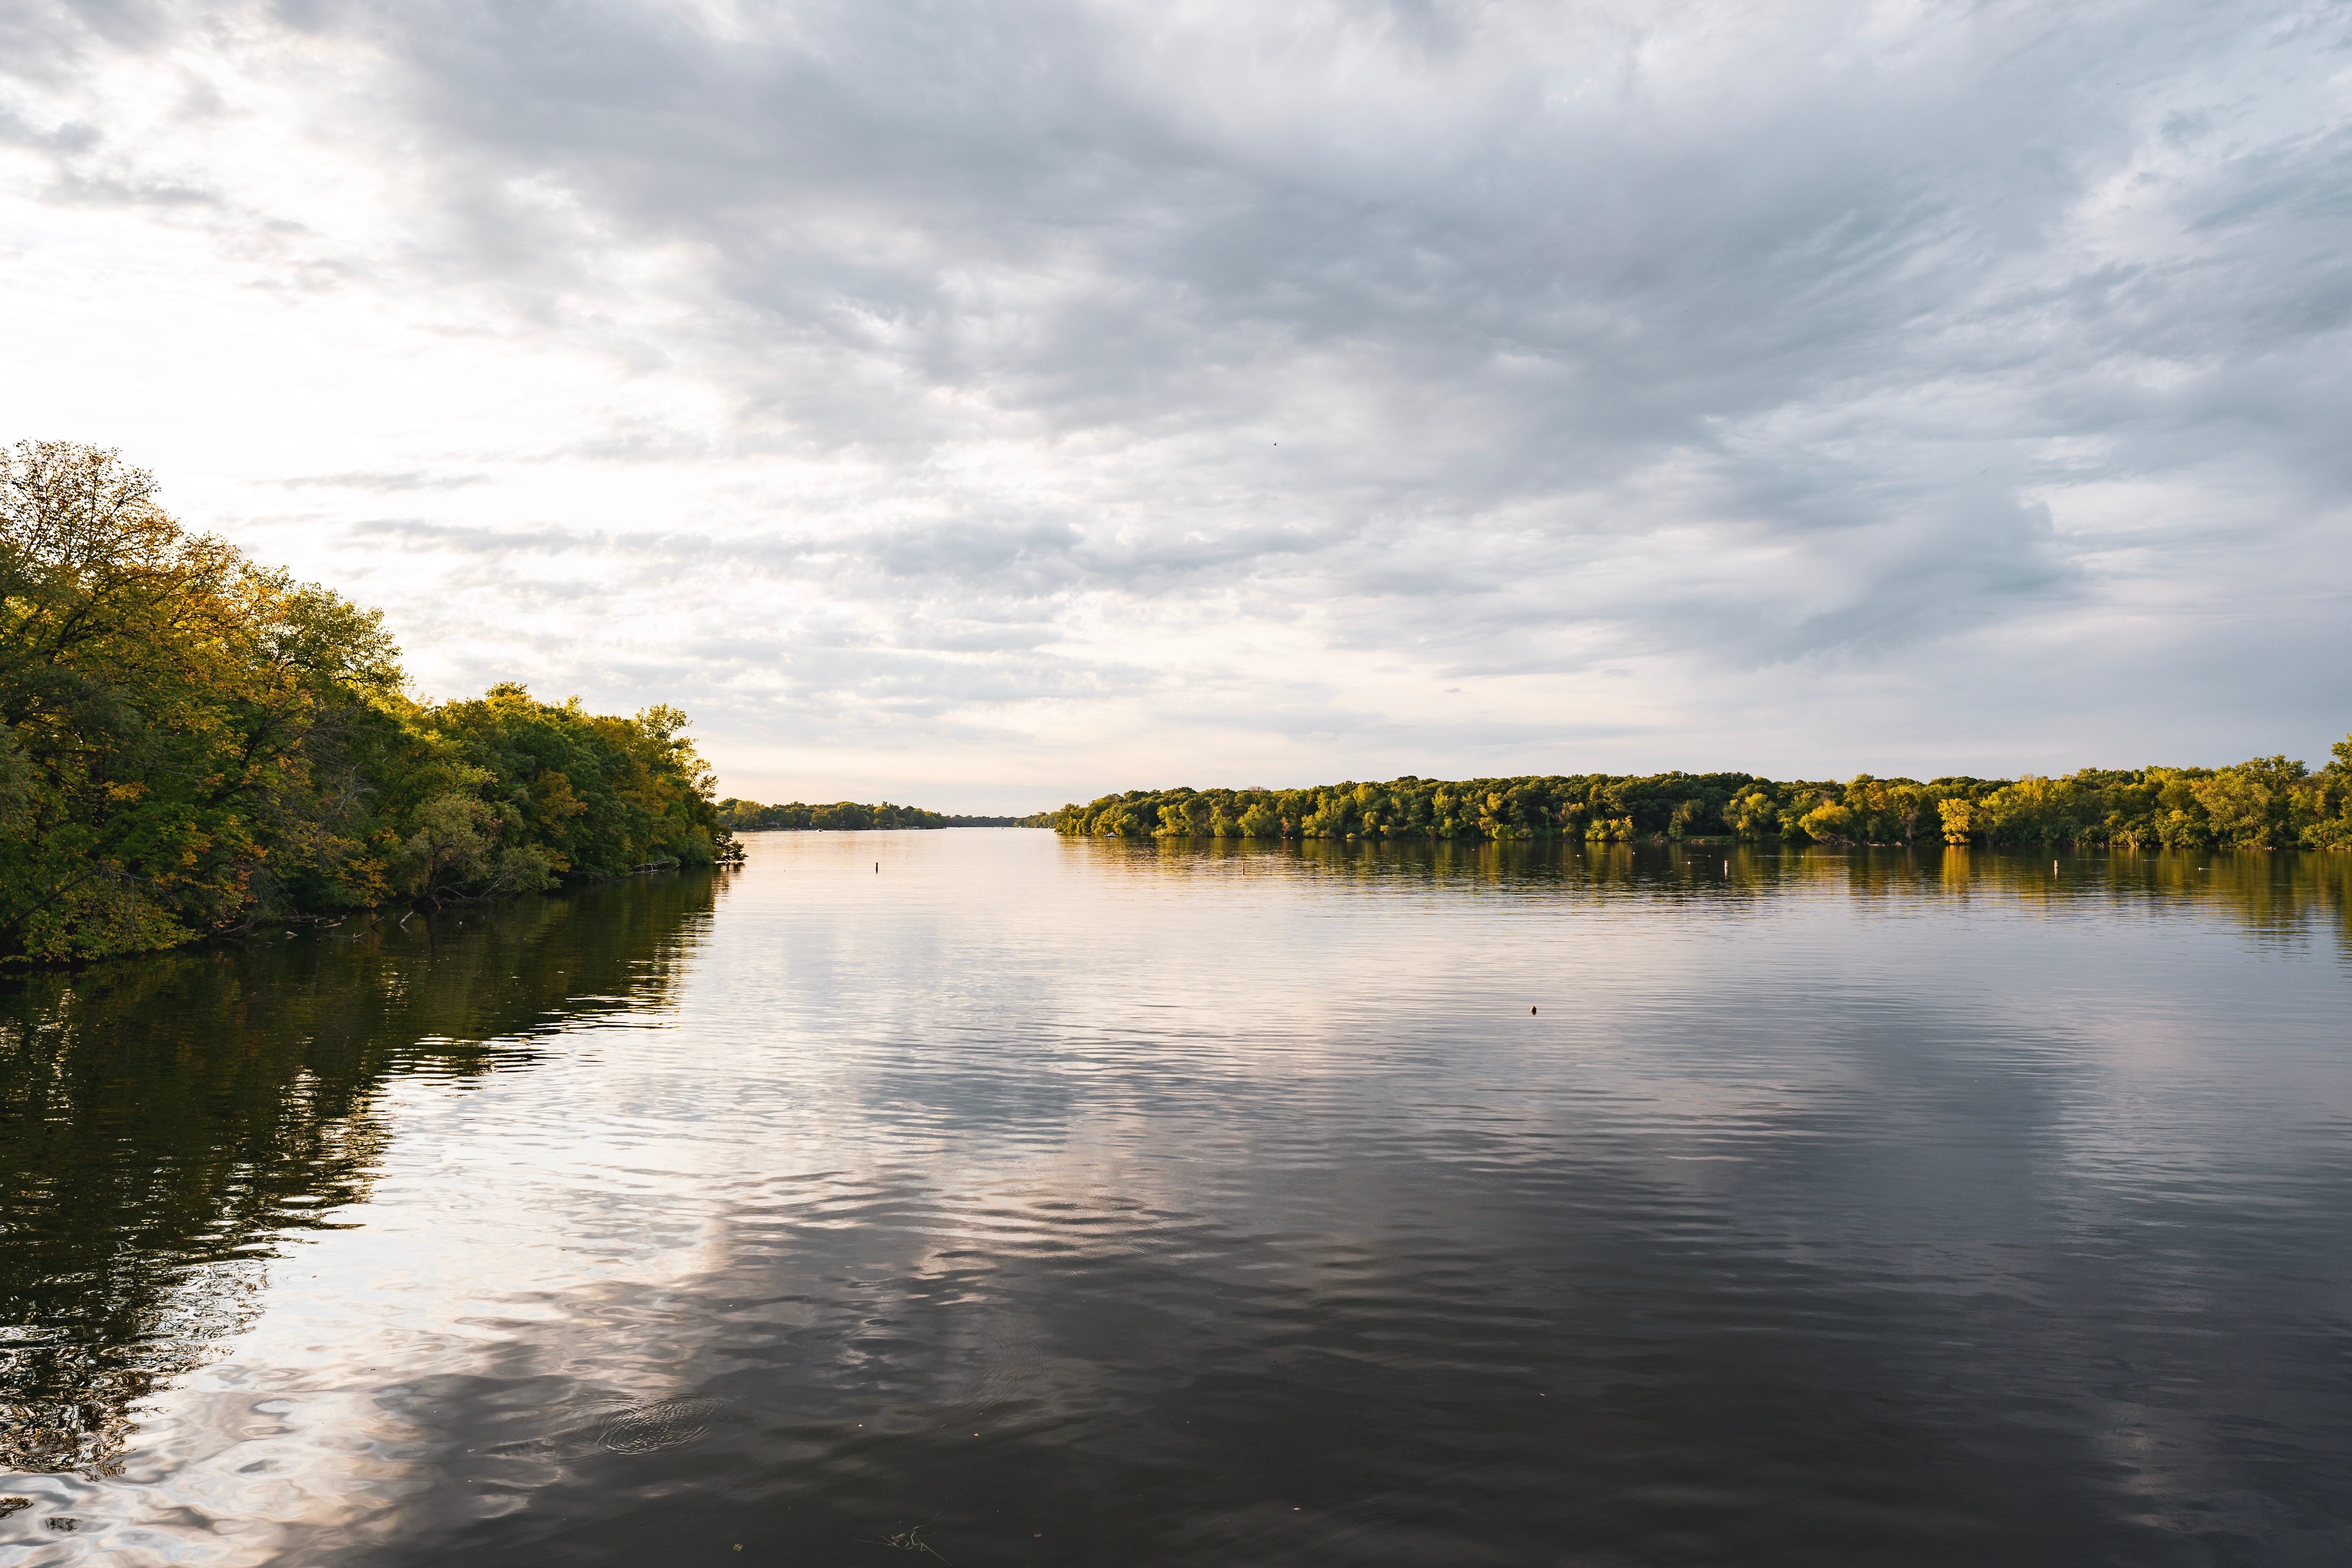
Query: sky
[(987, 406)]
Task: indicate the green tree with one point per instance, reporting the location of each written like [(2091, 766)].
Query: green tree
[(191, 742), (2257, 804), (2266, 801), (159, 693)]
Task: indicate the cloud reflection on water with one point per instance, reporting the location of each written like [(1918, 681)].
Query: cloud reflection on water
[(1224, 1181)]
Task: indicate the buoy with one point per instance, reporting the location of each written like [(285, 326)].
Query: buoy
[(1531, 1011)]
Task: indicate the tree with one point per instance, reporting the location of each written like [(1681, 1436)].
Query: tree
[(191, 742), (2256, 804), (158, 691)]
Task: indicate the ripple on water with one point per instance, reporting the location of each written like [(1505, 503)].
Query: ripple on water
[(1057, 1201), (657, 1424)]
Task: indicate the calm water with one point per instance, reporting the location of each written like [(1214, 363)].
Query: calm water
[(1052, 1202)]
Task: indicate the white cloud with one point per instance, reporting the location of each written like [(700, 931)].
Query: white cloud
[(991, 405)]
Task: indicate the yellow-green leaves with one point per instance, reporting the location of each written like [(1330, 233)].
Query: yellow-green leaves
[(2269, 802), (190, 742)]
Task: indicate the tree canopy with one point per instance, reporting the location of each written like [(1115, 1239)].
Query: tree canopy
[(841, 817), (191, 742), (849, 817), (2267, 803)]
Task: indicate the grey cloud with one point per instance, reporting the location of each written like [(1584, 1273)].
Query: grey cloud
[(386, 483), (1519, 341), (64, 139), (419, 533)]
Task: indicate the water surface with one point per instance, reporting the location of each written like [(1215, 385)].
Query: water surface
[(1030, 1201)]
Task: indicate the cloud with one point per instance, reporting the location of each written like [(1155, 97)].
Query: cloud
[(380, 484), (1081, 388)]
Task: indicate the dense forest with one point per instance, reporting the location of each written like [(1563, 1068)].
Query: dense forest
[(192, 744), (2269, 802), (848, 815)]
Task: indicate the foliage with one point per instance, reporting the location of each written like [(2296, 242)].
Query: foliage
[(191, 742), (1595, 807), (848, 817), (2326, 796), (2267, 803), (599, 795), (841, 817)]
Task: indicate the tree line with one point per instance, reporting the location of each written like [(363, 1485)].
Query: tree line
[(841, 817), (849, 817), (2268, 803), (192, 743)]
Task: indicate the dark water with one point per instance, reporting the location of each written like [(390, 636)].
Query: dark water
[(1052, 1202)]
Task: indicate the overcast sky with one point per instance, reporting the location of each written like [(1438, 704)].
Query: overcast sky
[(989, 405)]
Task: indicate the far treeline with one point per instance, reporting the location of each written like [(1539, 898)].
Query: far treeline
[(847, 815), (2269, 802), (193, 745)]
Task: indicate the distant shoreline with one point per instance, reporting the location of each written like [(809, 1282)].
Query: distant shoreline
[(918, 827), (2264, 803), (850, 816)]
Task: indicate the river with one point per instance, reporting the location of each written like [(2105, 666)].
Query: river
[(981, 1197)]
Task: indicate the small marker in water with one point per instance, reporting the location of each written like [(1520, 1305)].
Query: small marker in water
[(1531, 1012)]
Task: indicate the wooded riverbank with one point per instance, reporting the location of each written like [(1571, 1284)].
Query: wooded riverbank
[(2266, 802), (192, 744)]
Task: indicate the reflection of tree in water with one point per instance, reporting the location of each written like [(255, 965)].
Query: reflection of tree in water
[(2273, 893), (164, 1119)]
